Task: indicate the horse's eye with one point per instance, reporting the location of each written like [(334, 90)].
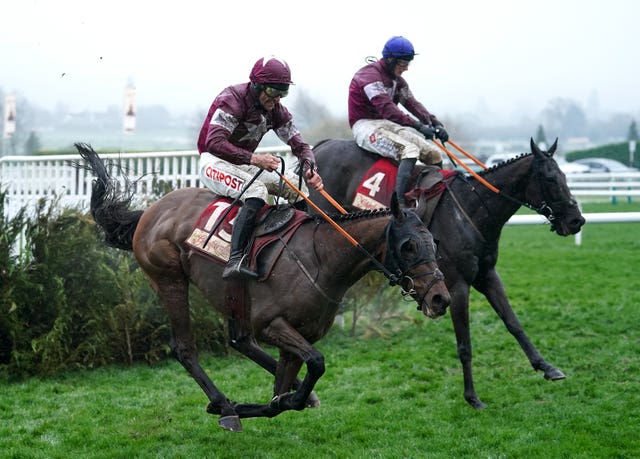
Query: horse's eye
[(409, 250)]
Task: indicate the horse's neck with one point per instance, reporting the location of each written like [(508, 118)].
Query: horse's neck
[(342, 258), (494, 209)]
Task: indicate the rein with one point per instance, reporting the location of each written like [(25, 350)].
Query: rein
[(398, 278), (543, 209), (393, 278)]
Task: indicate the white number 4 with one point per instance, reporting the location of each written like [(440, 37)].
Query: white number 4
[(373, 183)]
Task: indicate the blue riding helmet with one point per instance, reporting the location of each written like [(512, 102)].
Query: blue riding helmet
[(399, 48)]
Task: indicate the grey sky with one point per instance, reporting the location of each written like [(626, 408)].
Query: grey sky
[(507, 55)]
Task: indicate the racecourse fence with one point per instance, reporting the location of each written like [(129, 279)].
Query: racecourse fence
[(27, 179)]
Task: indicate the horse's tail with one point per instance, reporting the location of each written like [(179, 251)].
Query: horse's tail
[(110, 209)]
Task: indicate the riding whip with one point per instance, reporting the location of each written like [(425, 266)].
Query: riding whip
[(468, 155), (326, 195), (459, 161), (393, 279)]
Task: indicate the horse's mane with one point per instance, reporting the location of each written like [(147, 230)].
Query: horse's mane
[(361, 214), (504, 163)]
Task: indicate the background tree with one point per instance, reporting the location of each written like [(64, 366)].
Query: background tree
[(316, 122), (541, 138), (33, 144), (565, 117), (633, 131)]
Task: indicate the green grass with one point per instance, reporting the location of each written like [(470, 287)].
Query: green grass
[(397, 396)]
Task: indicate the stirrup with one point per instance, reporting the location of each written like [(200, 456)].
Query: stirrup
[(235, 270)]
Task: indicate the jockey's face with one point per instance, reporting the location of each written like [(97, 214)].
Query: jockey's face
[(400, 67), (270, 96), (268, 103)]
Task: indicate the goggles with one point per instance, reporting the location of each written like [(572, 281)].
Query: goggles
[(273, 92), (402, 63)]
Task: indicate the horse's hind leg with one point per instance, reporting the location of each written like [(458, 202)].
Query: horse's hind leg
[(174, 295)]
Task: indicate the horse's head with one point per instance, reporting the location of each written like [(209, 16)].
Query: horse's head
[(411, 253), (549, 194)]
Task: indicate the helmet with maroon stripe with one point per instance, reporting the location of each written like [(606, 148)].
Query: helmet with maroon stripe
[(271, 70)]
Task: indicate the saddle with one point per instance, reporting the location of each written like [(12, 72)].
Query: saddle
[(274, 223), (434, 182)]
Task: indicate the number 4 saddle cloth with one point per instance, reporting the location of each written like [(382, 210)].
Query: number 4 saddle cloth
[(377, 184)]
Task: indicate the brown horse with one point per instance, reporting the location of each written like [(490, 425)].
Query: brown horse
[(293, 307), (467, 222)]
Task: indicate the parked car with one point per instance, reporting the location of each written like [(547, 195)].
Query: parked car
[(605, 165), (571, 167)]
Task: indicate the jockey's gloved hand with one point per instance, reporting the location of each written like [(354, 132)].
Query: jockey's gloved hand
[(427, 131), (442, 134)]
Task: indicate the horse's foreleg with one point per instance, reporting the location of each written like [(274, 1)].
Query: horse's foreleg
[(291, 342), (459, 310), (174, 296), (286, 372), (493, 289), (249, 347)]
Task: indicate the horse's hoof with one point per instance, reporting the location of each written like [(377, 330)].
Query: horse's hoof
[(476, 403), (231, 423), (553, 374), (313, 401)]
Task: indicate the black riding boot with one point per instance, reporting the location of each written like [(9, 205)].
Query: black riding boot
[(402, 179), (242, 230)]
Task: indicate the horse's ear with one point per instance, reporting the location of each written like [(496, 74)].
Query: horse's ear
[(534, 149), (395, 205), (553, 147)]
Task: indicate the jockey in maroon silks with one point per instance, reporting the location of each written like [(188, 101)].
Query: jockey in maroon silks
[(380, 126), (236, 122)]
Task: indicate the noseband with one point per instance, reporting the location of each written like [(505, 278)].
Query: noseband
[(410, 291)]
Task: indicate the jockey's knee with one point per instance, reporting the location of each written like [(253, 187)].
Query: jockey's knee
[(256, 190), (428, 156)]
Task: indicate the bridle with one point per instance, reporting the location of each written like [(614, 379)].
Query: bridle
[(402, 274), (545, 208), (411, 291)]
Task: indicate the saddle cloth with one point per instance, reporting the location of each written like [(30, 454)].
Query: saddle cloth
[(377, 184), (271, 226)]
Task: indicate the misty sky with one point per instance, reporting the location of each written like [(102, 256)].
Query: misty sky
[(501, 56)]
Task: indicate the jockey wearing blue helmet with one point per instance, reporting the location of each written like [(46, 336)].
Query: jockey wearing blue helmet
[(380, 126), (398, 47)]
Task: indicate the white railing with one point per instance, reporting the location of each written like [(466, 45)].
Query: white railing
[(608, 185), (27, 179)]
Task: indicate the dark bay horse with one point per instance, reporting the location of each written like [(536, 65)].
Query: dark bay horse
[(467, 223), (293, 307)]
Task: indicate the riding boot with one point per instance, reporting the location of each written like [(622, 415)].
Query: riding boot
[(242, 230), (402, 179)]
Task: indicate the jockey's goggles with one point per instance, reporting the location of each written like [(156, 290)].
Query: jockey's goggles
[(403, 63), (272, 92)]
